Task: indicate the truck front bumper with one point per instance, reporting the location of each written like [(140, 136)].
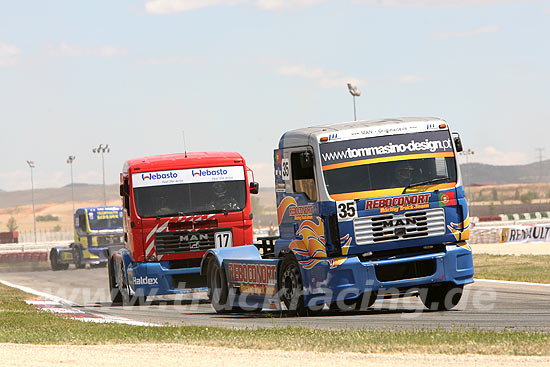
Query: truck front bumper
[(330, 281), (156, 278)]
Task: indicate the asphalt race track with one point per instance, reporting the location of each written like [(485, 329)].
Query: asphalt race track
[(485, 304)]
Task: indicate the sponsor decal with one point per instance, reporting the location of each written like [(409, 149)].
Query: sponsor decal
[(259, 279), (534, 233), (399, 203), (185, 176), (108, 215), (146, 281), (208, 172), (158, 176), (385, 146), (301, 212)]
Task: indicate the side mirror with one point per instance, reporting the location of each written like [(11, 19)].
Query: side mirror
[(306, 160), (124, 188), (254, 187), (458, 142)]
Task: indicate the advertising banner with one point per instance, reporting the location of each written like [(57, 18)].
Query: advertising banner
[(185, 176), (518, 234), (386, 146)]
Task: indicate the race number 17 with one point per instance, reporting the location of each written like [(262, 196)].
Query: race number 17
[(346, 210)]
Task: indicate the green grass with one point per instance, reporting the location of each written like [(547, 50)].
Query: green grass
[(524, 268), (21, 323)]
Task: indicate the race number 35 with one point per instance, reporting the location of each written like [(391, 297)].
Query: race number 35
[(285, 166), (223, 239), (346, 210)]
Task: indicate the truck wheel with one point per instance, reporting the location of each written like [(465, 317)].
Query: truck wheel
[(441, 297), (220, 291), (124, 291), (54, 263), (209, 276), (77, 258), (114, 291), (291, 286)]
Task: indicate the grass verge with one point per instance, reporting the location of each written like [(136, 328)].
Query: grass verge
[(21, 323), (523, 268)]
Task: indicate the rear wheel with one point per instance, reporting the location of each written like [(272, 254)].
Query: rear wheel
[(54, 261), (77, 257), (441, 297)]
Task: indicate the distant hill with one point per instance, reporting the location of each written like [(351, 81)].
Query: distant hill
[(478, 173), (473, 173), (82, 192)]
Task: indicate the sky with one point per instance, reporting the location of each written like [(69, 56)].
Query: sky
[(234, 75)]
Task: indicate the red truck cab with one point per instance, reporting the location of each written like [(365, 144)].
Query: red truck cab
[(175, 208)]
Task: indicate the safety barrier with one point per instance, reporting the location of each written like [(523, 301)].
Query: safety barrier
[(22, 257)]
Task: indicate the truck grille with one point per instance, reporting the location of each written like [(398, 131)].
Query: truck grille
[(184, 241), (391, 227), (109, 240)]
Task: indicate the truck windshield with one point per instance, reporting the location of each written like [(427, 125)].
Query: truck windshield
[(387, 162), (389, 175), (106, 220), (190, 198)]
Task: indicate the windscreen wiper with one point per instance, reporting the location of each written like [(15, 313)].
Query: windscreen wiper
[(427, 182)]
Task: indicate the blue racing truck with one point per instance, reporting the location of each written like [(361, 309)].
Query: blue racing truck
[(97, 230), (364, 208)]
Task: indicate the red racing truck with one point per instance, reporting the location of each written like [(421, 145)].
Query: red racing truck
[(175, 208)]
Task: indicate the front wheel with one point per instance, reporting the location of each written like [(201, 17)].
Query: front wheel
[(218, 289), (292, 288), (441, 297), (54, 261)]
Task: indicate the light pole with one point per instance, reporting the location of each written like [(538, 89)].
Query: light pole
[(103, 149), (70, 161), (31, 165), (355, 93), (468, 153)]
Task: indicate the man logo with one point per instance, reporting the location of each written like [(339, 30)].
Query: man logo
[(399, 222)]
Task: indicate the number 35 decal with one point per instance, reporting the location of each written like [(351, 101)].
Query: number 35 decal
[(346, 210)]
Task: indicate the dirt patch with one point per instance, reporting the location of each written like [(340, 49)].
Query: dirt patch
[(17, 355)]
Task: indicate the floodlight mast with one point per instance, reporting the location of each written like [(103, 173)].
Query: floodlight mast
[(32, 165), (103, 149), (355, 92), (70, 161)]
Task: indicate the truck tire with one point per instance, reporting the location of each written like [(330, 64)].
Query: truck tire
[(77, 258), (292, 288), (218, 288), (124, 290), (54, 263), (114, 291), (441, 297)]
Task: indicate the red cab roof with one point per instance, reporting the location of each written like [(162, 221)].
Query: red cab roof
[(183, 161)]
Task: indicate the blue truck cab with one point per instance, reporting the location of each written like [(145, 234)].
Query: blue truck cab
[(364, 208), (97, 230)]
